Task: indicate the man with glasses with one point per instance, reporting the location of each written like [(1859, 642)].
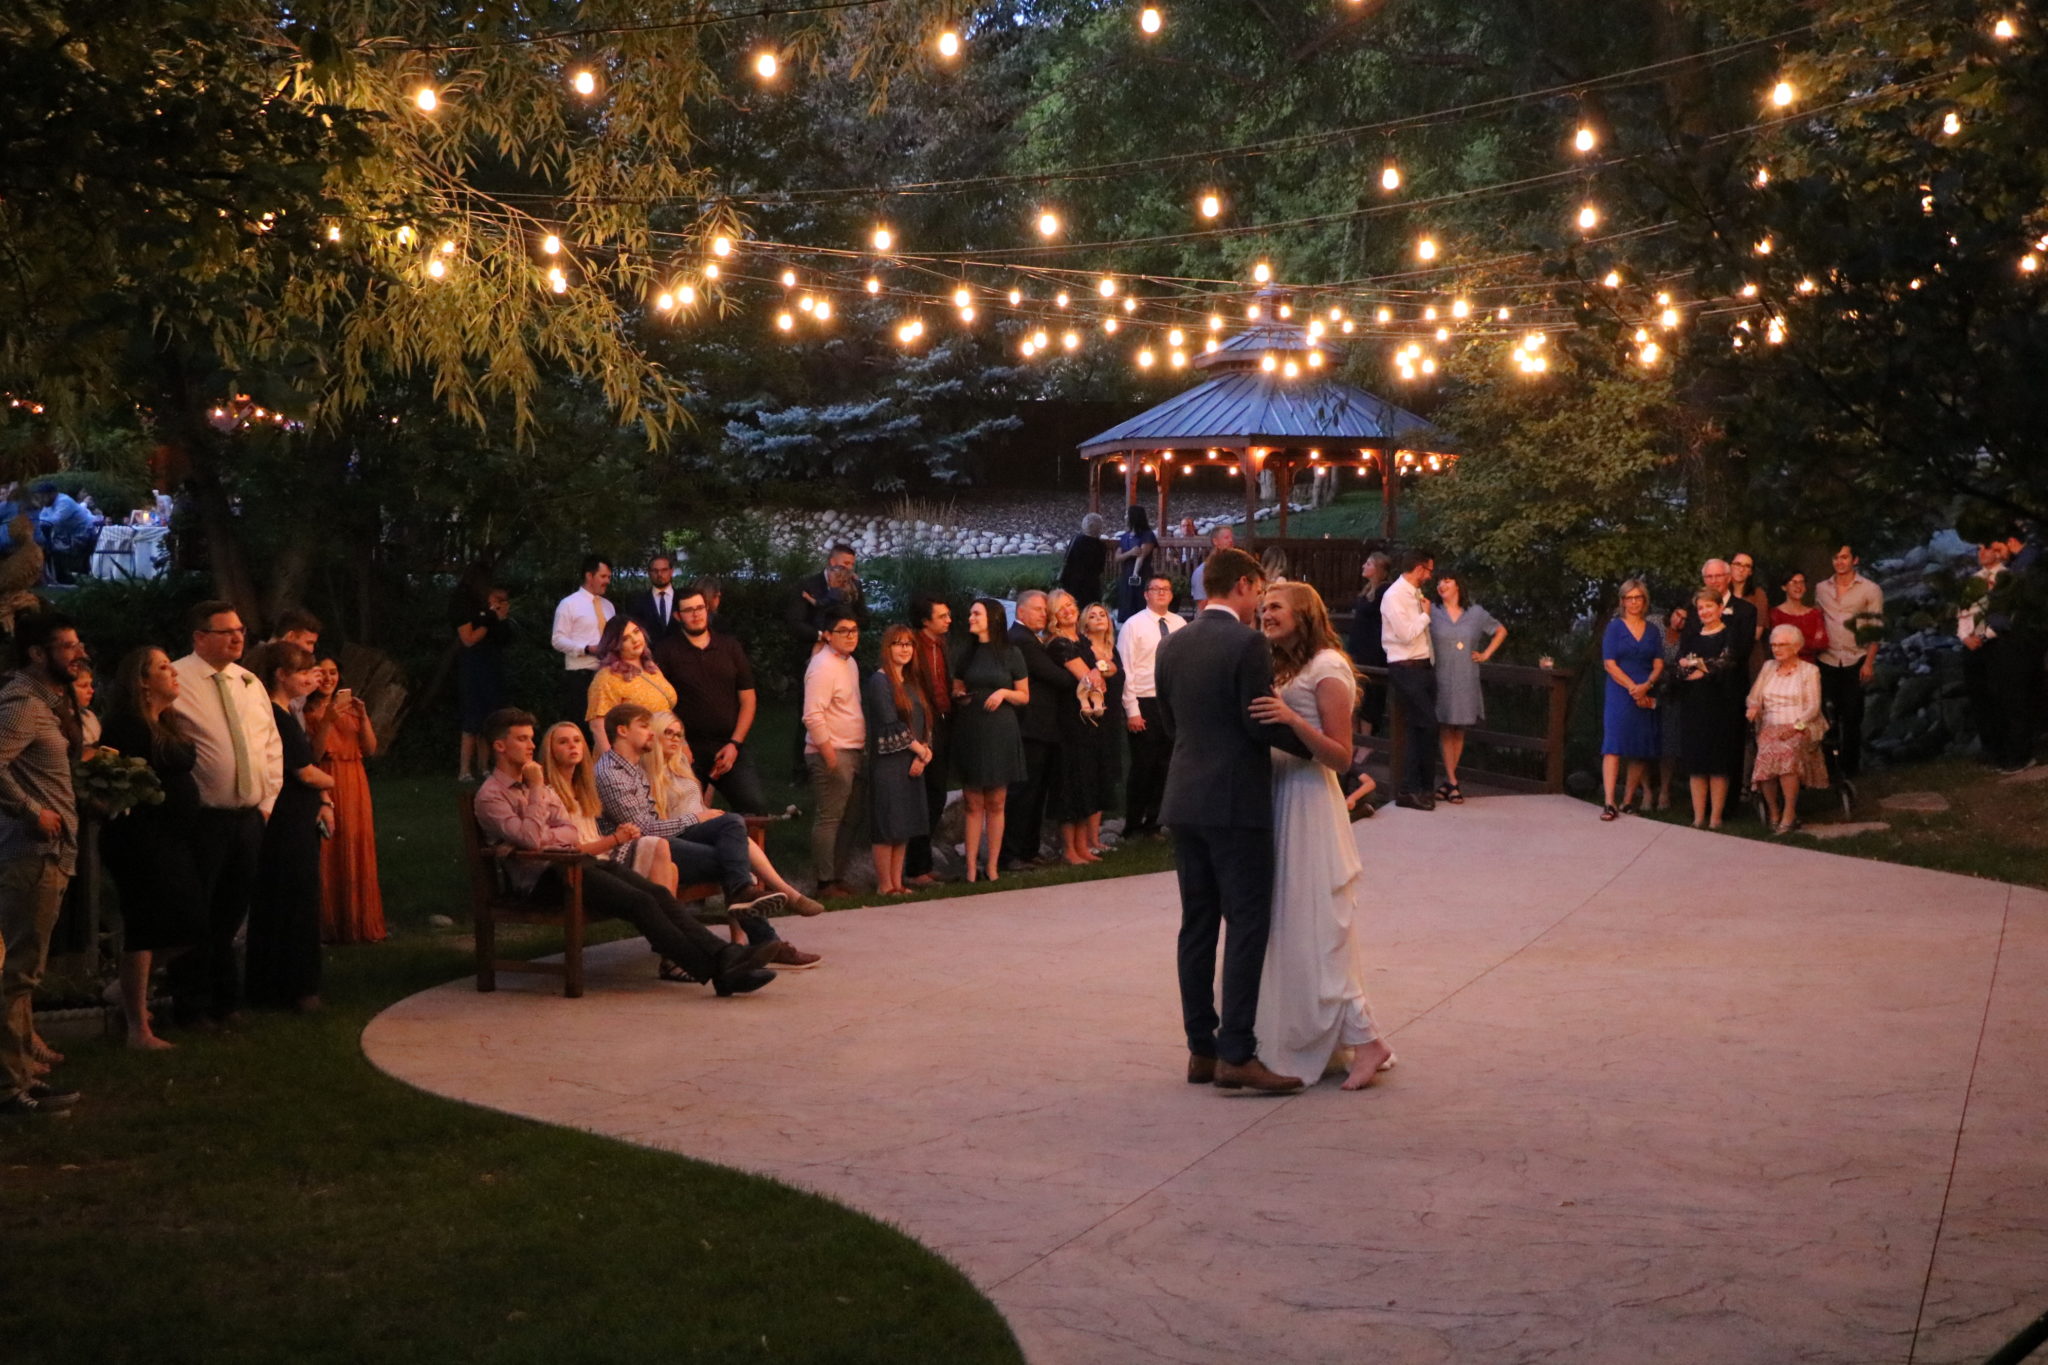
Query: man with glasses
[(1717, 577), (835, 741), (240, 770), (715, 700), (1137, 645)]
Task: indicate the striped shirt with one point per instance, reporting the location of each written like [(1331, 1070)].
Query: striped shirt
[(628, 799)]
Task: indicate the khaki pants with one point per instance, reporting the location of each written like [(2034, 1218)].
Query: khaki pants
[(31, 897), (842, 810)]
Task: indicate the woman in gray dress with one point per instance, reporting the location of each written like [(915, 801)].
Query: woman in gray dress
[(899, 746), (1462, 636)]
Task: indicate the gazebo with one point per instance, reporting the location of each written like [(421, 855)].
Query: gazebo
[(1270, 405)]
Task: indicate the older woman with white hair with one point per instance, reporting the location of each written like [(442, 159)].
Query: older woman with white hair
[(1784, 705), (1087, 557)]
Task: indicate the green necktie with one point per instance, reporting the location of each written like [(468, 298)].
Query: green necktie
[(245, 771)]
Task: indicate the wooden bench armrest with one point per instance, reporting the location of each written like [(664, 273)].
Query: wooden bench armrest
[(543, 855)]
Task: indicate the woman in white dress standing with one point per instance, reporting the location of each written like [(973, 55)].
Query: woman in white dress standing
[(1312, 994)]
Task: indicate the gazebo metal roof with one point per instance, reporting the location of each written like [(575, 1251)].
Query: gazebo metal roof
[(1240, 408)]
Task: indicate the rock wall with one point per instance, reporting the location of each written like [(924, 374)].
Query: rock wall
[(871, 534), (1916, 707)]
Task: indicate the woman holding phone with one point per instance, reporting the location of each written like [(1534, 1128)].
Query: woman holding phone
[(352, 904)]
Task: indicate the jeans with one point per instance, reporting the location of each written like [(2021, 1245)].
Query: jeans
[(741, 785), (1226, 882), (670, 930), (841, 812), (715, 850), (1414, 686), (206, 981), (1150, 753), (31, 897)]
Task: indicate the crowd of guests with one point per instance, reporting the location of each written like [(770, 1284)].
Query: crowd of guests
[(1744, 693), (264, 827)]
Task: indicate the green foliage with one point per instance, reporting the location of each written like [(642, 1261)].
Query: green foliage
[(111, 784)]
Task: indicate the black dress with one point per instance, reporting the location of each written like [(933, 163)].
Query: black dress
[(148, 851), (284, 919), (480, 672), (1081, 572), (1710, 708), (988, 746), (1080, 793)]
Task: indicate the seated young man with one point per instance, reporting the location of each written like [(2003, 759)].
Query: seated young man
[(515, 807), (705, 847)]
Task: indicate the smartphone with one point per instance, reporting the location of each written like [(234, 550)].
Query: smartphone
[(343, 696)]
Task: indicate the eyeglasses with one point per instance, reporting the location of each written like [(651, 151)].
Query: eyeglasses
[(844, 630), (231, 630)]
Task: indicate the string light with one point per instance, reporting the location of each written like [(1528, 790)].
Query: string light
[(823, 312), (1290, 370), (966, 315), (710, 270), (1782, 94), (436, 269), (1336, 315), (1613, 279), (785, 321), (1060, 300), (1763, 176), (1040, 340), (1130, 304), (1775, 334), (949, 44), (883, 238), (1589, 218), (1179, 361), (789, 279), (1807, 286), (1315, 360), (551, 244), (686, 295), (1026, 349), (557, 281), (1261, 273), (874, 285), (1269, 362), (1429, 313), (1071, 340), (1145, 359), (448, 248), (1150, 20), (1211, 205), (1016, 297), (1504, 314), (1390, 177), (1584, 140), (2003, 30), (406, 236), (1315, 329), (1251, 313), (961, 298), (1749, 291), (1951, 124), (1106, 287), (721, 245), (2030, 263), (1048, 224), (1384, 315), (334, 232), (1425, 249), (765, 66), (1460, 308), (426, 99), (583, 83), (1109, 324), (1763, 246), (1215, 322), (1668, 319), (1285, 310), (1176, 337)]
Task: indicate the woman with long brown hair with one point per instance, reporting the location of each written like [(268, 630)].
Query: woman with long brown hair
[(899, 746), (1312, 1005), (626, 672), (566, 763)]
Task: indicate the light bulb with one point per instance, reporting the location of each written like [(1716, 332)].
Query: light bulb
[(1443, 334), (1589, 218), (1149, 20), (2030, 263), (1668, 318), (721, 246), (1763, 246), (1215, 322), (1429, 366), (1349, 327), (961, 298), (1251, 314), (1649, 353), (1315, 360), (1262, 272), (1504, 314), (884, 239), (1269, 363), (1749, 291), (966, 315), (1613, 279), (1290, 370), (710, 270), (1390, 177), (1425, 249), (1145, 360), (686, 295), (1951, 124), (1176, 337), (406, 236), (1048, 225), (785, 321), (550, 244), (789, 279), (665, 301), (1109, 324), (1285, 310), (1071, 340), (558, 281), (2003, 29), (448, 248), (1016, 297), (1130, 304), (1584, 139), (807, 304), (1026, 349), (426, 99), (765, 66), (1460, 308), (1060, 300), (823, 312), (1782, 94), (1315, 328), (949, 44), (1429, 313), (1211, 206), (334, 233), (1106, 288), (436, 268), (1763, 176), (1384, 315), (1807, 286), (874, 285), (583, 83)]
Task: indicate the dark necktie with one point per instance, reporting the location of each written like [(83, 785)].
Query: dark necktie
[(1162, 628)]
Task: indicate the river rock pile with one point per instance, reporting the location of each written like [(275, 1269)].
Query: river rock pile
[(1917, 705)]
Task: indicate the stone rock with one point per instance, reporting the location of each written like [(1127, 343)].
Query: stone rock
[(2037, 773), (1847, 830), (440, 922), (1916, 803)]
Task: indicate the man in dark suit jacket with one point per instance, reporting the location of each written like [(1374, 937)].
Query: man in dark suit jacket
[(655, 609), (1219, 805), (1039, 723), (1716, 576)]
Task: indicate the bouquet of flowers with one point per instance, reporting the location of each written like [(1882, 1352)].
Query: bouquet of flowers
[(110, 784)]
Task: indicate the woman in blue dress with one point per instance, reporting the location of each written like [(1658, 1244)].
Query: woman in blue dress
[(1633, 654)]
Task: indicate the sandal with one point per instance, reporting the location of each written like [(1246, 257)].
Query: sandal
[(1609, 813), (670, 970), (1452, 793)]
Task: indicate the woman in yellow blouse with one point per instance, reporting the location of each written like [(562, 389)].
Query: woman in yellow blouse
[(625, 673)]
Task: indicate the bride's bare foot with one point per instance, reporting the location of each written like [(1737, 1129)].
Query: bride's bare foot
[(148, 1042), (1367, 1059)]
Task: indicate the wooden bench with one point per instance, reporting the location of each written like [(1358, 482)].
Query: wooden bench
[(493, 903)]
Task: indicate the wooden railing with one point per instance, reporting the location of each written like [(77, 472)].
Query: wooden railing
[(1329, 566), (1556, 683)]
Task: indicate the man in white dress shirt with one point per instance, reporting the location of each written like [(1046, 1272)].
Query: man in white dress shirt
[(1411, 675), (1852, 609), (580, 619), (240, 771), (1137, 644)]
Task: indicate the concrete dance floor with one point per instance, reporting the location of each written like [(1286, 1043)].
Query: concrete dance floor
[(1663, 1096)]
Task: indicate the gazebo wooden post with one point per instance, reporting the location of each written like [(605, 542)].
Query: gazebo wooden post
[(1248, 467), (1284, 481), (1130, 480), (1165, 475), (1390, 488), (1095, 485)]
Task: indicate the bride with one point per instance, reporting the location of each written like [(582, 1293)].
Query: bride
[(1312, 993)]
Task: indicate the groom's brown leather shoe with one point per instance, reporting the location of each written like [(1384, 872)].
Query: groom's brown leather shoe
[(1254, 1075), (1201, 1070)]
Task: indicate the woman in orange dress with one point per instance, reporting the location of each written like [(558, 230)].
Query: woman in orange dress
[(352, 904)]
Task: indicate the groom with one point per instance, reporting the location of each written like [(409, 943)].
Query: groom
[(1219, 805)]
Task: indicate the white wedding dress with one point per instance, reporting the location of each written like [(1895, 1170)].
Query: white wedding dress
[(1312, 992)]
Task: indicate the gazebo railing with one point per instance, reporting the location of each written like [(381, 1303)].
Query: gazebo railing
[(1556, 682), (1331, 566)]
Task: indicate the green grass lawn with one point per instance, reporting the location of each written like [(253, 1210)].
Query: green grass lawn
[(1991, 828), (267, 1195)]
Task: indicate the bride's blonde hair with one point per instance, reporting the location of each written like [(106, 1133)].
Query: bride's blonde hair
[(1312, 635)]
